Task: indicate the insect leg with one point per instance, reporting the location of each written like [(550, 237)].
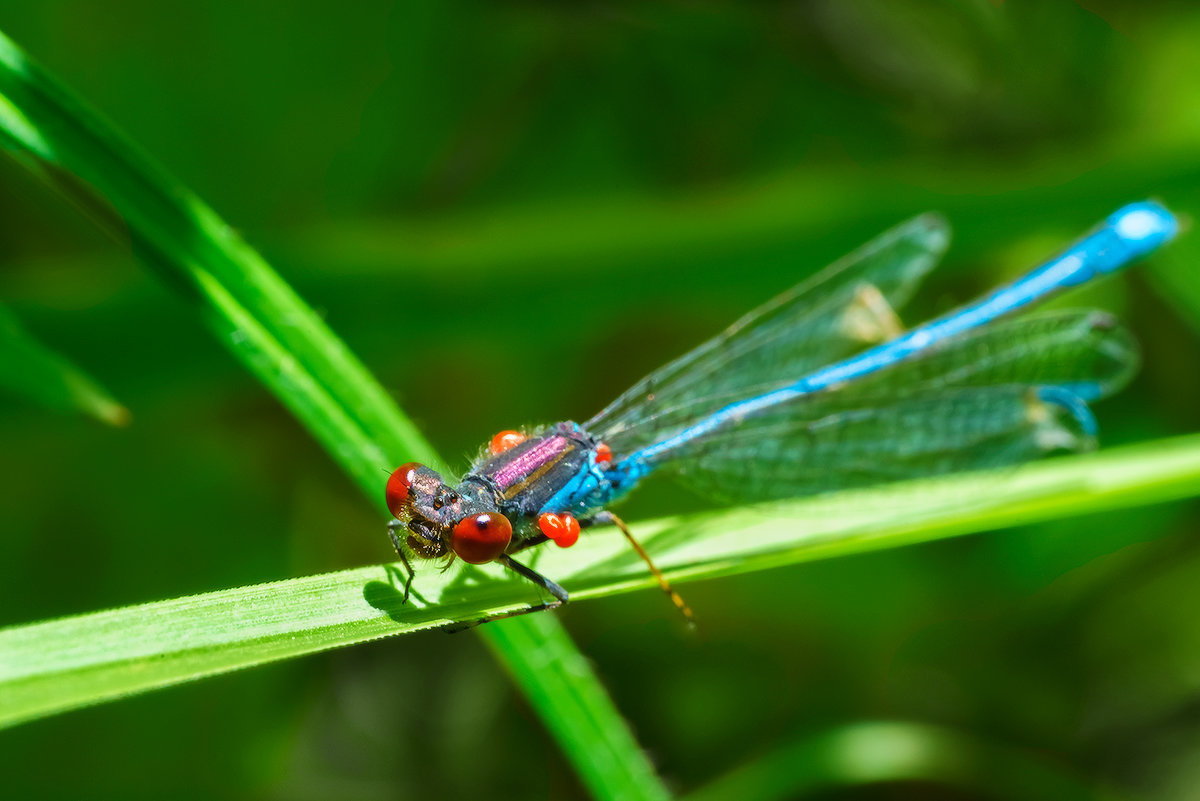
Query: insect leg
[(529, 543), (560, 597), (609, 517), (546, 584), (392, 526)]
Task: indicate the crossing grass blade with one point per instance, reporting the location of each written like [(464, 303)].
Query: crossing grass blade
[(52, 666), (282, 341)]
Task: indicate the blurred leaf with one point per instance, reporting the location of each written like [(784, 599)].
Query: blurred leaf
[(280, 339), (881, 752), (52, 666), (624, 233), (29, 368), (1177, 278)]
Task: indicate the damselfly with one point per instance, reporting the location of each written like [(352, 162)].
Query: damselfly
[(818, 389)]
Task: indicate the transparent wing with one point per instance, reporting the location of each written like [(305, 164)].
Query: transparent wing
[(1085, 351), (825, 318), (1001, 395), (965, 429)]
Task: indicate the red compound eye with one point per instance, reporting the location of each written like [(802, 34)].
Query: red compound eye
[(505, 440), (562, 529), (398, 485), (481, 538)]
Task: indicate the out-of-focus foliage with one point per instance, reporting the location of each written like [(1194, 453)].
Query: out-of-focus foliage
[(513, 210), (30, 369)]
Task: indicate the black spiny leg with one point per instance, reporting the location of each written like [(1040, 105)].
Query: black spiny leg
[(560, 595), (392, 526)]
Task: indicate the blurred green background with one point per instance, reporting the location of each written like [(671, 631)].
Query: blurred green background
[(512, 211)]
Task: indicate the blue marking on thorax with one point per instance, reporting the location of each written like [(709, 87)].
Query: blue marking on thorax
[(588, 490), (1128, 234)]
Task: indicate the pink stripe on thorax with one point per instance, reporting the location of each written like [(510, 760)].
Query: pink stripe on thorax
[(529, 461)]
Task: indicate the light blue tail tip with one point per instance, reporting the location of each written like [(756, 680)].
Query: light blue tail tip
[(1073, 405), (1143, 226)]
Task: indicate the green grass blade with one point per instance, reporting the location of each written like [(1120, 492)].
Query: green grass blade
[(886, 752), (595, 760), (51, 666), (30, 369), (282, 341), (131, 197)]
